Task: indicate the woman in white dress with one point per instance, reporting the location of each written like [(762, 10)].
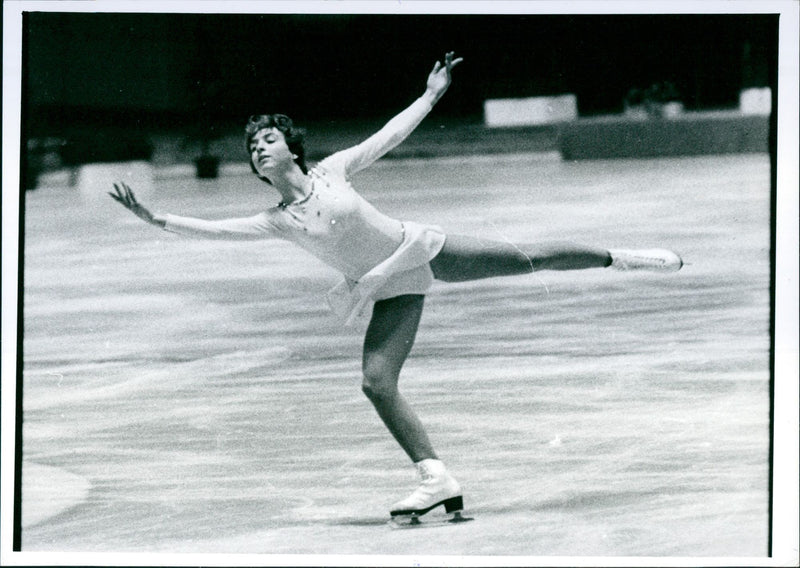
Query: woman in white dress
[(385, 262)]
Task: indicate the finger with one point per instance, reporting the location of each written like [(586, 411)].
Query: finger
[(122, 197), (115, 197), (449, 56), (436, 67), (131, 196)]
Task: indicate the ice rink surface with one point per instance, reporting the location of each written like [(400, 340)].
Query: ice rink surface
[(195, 396)]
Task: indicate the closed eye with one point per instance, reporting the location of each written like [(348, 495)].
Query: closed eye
[(266, 139)]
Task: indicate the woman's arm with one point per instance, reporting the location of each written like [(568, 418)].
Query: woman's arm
[(241, 228), (398, 128)]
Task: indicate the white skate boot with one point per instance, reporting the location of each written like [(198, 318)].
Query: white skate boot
[(438, 487), (657, 260)]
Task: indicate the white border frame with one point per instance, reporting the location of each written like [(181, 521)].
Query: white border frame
[(786, 474)]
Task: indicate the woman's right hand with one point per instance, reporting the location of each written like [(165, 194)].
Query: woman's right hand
[(123, 194)]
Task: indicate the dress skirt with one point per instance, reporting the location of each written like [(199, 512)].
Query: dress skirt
[(406, 271)]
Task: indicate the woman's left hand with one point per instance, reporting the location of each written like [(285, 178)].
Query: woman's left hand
[(124, 195), (440, 78)]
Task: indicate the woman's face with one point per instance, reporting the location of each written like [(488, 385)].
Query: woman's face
[(269, 152)]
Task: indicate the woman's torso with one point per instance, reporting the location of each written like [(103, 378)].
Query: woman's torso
[(338, 226)]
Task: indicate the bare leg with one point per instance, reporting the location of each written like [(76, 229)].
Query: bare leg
[(388, 341), (468, 258)]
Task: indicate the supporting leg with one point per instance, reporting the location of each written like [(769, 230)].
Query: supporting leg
[(388, 341)]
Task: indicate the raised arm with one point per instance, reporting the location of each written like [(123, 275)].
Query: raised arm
[(398, 128), (240, 228)]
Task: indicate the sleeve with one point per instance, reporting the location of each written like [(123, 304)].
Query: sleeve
[(393, 133), (236, 229)]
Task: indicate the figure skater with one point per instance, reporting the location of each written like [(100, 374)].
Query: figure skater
[(385, 262)]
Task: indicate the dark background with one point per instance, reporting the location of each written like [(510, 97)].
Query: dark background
[(176, 70)]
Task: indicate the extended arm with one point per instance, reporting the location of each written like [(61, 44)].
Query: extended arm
[(241, 228), (398, 128)]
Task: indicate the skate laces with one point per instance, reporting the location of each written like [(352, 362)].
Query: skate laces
[(655, 259), (423, 474), (648, 259)]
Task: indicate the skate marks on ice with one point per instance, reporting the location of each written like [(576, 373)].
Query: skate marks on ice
[(212, 404), (400, 522)]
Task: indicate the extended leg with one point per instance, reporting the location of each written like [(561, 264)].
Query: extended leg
[(468, 258)]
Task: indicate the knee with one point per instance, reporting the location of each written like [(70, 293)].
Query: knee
[(379, 384), (378, 393)]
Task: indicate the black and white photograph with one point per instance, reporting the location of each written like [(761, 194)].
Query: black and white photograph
[(400, 283)]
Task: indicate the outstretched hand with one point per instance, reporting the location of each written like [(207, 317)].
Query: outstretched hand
[(124, 195), (439, 79)]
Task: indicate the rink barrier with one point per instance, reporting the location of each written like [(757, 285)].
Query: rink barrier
[(615, 136), (757, 100), (530, 111), (689, 134)]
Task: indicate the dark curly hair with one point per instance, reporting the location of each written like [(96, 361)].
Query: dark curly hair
[(294, 137)]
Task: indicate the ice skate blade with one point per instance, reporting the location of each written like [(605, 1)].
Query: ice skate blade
[(459, 518), (414, 522)]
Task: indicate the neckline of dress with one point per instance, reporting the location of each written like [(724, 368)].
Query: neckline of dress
[(284, 205)]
